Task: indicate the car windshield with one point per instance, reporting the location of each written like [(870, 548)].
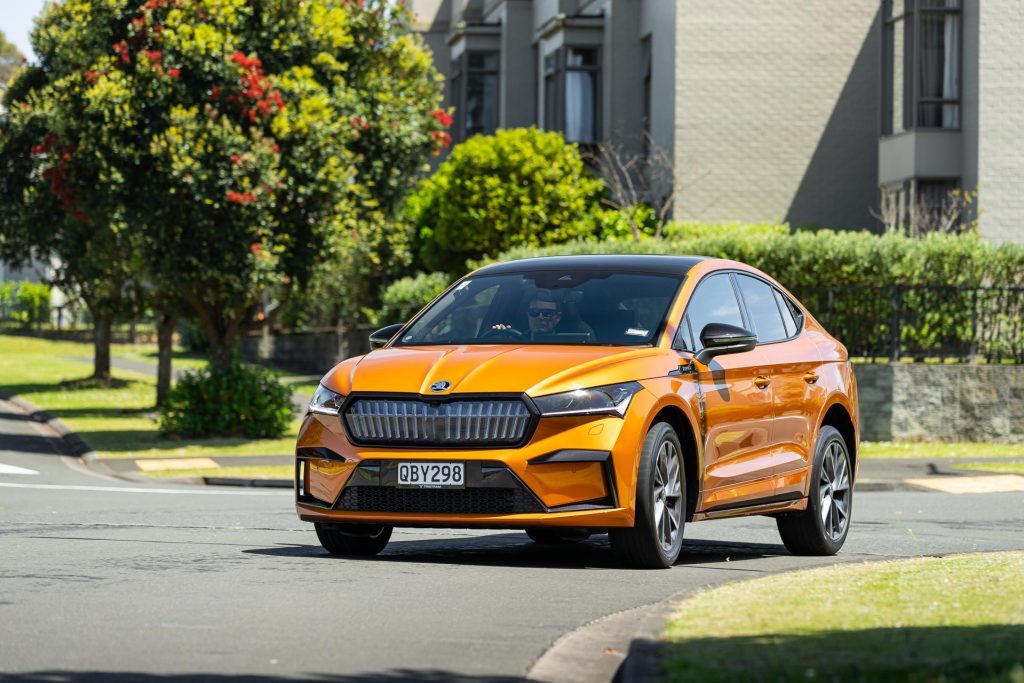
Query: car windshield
[(548, 307)]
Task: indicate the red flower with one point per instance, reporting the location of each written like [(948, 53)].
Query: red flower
[(239, 197), (235, 159), (255, 247), (121, 48), (154, 56), (442, 117), (174, 73), (91, 76), (215, 92), (276, 147)]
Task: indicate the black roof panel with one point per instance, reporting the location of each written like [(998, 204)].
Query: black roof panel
[(633, 263)]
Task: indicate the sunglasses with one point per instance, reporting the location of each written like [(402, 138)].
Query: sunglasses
[(543, 312)]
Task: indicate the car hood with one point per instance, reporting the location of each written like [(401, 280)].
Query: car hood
[(534, 370)]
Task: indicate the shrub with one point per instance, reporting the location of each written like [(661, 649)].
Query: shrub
[(517, 187), (240, 400), (24, 302), (403, 298), (855, 282)]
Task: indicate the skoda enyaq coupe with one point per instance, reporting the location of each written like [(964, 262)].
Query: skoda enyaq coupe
[(570, 396)]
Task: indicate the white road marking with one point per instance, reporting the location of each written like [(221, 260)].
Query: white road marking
[(11, 469), (130, 489)]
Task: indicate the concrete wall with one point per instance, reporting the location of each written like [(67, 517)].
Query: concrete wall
[(1001, 120), (777, 110), (919, 402)]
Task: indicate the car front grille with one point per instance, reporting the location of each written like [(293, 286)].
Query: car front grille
[(478, 501), (466, 422)]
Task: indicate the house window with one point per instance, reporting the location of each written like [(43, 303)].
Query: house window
[(572, 77), (922, 62), (475, 94)]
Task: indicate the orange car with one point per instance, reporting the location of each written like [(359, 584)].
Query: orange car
[(588, 394)]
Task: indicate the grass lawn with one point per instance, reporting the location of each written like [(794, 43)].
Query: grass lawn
[(117, 421), (907, 449), (269, 472), (959, 618), (1006, 467)]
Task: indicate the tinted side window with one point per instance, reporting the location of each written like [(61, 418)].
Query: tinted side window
[(764, 312), (713, 302), (787, 314)]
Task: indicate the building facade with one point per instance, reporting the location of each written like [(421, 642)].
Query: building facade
[(846, 115)]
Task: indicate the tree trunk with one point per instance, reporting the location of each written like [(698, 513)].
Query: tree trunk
[(165, 325), (101, 347)]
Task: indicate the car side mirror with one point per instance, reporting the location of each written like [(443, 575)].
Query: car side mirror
[(719, 339), (384, 335)]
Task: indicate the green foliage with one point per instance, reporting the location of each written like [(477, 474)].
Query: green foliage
[(856, 279), (230, 149), (517, 187), (10, 59), (237, 400), (684, 230), (24, 302), (404, 297)]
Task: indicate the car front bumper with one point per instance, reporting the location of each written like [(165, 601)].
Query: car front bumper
[(574, 471)]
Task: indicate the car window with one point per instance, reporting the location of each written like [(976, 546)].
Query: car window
[(762, 308), (571, 306), (713, 302), (787, 313)]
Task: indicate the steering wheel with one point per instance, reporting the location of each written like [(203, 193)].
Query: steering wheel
[(509, 332)]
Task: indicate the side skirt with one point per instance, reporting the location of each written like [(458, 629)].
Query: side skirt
[(763, 506)]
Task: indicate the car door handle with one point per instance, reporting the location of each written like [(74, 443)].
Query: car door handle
[(810, 377), (762, 381)]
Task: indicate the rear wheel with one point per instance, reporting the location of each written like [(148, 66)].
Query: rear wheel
[(353, 539), (556, 535), (821, 529), (656, 537)]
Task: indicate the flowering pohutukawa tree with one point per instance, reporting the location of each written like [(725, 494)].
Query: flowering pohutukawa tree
[(245, 143)]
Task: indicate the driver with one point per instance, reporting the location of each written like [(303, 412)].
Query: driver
[(543, 315)]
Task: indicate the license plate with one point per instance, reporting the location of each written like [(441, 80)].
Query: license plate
[(432, 475)]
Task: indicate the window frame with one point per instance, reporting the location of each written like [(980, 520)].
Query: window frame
[(557, 70), (798, 313), (908, 19), (461, 74)]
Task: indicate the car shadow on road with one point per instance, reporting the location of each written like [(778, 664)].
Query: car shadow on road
[(393, 676), (514, 549)]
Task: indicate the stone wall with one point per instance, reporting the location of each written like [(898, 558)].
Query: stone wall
[(922, 402), (312, 353)]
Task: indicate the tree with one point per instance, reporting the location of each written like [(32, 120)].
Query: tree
[(247, 144), (50, 164), (519, 186), (10, 59)]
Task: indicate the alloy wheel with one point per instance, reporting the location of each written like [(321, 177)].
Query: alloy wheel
[(668, 501), (834, 491)]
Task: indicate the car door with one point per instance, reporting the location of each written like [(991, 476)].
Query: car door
[(794, 361), (736, 403)]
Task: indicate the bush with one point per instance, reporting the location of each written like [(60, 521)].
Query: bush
[(951, 294), (239, 400), (517, 187), (25, 302), (403, 298)]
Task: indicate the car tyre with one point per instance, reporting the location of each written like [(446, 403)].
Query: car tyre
[(353, 539), (556, 535), (656, 537), (822, 528)]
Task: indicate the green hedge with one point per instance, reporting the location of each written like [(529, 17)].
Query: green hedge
[(940, 295)]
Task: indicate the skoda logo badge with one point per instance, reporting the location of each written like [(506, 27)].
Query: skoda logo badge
[(440, 386)]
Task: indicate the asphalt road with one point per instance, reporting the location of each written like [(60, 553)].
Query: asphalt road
[(102, 579)]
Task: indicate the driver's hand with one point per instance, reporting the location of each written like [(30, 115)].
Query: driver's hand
[(501, 326)]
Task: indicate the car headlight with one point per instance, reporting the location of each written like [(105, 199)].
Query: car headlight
[(608, 400), (325, 401)]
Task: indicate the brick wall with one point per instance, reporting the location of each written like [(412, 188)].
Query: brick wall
[(777, 110)]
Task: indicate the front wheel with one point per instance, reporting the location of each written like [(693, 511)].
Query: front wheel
[(821, 529), (353, 539), (656, 537)]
